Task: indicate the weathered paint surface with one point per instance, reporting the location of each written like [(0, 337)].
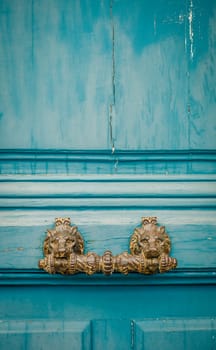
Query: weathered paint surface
[(165, 80), (108, 74), (55, 73), (107, 114), (192, 233)]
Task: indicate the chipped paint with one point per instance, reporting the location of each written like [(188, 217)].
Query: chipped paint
[(181, 18), (191, 33)]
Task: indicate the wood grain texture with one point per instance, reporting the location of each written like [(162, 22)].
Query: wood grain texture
[(201, 51), (164, 74), (107, 74), (150, 75), (192, 233), (55, 74), (116, 188)]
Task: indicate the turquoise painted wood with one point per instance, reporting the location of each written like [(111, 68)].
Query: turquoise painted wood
[(107, 114), (165, 76), (115, 322), (42, 162), (132, 65), (55, 59)]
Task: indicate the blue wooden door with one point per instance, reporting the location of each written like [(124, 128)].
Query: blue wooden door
[(107, 114)]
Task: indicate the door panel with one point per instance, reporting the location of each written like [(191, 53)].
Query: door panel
[(162, 50), (40, 334), (151, 75), (175, 333), (107, 75), (55, 59)]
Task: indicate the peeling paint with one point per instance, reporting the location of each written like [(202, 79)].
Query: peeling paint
[(181, 18), (191, 33)]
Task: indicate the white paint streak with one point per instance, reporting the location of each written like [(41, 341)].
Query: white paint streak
[(204, 93), (155, 26), (181, 18), (191, 33)]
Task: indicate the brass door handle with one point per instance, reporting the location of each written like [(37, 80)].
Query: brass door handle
[(149, 251)]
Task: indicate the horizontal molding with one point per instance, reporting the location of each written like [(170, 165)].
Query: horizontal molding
[(114, 191), (103, 203), (205, 276), (107, 189), (106, 155), (106, 162), (107, 178)]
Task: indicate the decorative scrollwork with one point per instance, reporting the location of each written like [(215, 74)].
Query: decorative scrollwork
[(149, 251)]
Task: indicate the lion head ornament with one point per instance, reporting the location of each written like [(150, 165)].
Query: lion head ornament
[(150, 240), (63, 240), (149, 245)]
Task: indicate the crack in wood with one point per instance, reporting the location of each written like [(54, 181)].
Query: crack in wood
[(112, 105)]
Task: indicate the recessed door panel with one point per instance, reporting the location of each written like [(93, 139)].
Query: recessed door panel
[(44, 334), (175, 334)]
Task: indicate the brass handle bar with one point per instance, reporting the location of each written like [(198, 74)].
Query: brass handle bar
[(149, 251)]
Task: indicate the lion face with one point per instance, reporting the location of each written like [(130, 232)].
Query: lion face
[(63, 240), (61, 246), (150, 240)]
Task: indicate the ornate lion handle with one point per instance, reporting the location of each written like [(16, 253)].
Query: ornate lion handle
[(149, 251)]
